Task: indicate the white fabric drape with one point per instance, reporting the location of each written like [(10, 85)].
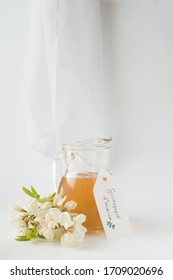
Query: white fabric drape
[(65, 83)]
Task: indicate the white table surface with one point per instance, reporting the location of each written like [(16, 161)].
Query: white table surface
[(152, 238)]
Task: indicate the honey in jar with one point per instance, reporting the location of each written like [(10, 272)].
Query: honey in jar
[(75, 172), (80, 189)]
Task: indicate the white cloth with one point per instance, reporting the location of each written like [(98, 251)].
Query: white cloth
[(65, 82)]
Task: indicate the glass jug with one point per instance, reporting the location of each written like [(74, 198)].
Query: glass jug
[(75, 172)]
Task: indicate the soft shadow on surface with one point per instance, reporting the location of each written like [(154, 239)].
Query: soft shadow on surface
[(141, 225)]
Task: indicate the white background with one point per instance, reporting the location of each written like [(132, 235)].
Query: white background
[(138, 38)]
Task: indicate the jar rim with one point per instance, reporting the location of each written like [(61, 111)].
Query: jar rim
[(89, 144)]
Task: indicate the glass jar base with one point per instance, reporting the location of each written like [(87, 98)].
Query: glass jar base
[(95, 230)]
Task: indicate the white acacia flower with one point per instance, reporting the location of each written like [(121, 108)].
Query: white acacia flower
[(80, 219), (52, 217), (41, 229), (79, 233), (71, 238), (45, 206), (17, 220), (70, 205), (49, 220), (49, 234), (67, 239), (17, 206), (59, 200), (40, 218), (32, 207), (65, 220)]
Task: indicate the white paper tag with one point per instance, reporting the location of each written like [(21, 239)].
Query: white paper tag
[(110, 206)]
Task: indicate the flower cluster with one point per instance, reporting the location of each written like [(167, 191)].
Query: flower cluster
[(50, 218)]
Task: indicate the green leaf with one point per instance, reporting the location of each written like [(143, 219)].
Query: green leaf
[(22, 238), (28, 192), (32, 232), (31, 235), (44, 199), (33, 191), (37, 196), (41, 236), (51, 196)]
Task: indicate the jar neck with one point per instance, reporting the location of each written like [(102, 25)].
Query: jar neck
[(89, 144), (86, 160)]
